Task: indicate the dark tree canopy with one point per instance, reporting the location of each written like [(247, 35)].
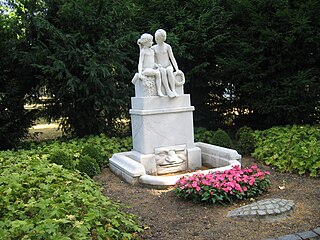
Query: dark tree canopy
[(251, 62), (79, 50), (272, 62), (14, 81)]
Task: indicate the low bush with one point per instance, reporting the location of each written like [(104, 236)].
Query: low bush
[(221, 138), (62, 158), (223, 187), (40, 200), (98, 147), (203, 135), (290, 149), (88, 165), (245, 141), (95, 153)]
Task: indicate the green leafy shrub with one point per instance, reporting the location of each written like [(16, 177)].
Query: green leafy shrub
[(40, 200), (203, 135), (88, 165), (93, 152), (290, 149), (221, 138), (245, 140), (62, 158), (223, 187), (102, 150)]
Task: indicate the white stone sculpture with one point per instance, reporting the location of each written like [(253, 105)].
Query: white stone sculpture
[(167, 64), (147, 68), (157, 68), (162, 127)]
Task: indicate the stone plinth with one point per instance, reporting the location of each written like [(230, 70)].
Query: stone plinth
[(161, 122), (167, 124)]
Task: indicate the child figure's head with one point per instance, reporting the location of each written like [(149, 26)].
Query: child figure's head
[(145, 40), (160, 36)]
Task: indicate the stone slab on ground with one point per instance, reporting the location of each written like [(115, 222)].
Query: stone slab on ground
[(307, 235), (290, 237), (265, 210)]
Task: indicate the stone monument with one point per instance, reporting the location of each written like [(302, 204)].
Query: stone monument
[(161, 117)]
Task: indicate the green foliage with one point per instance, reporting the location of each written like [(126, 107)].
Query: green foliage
[(290, 149), (221, 138), (245, 140), (99, 147), (40, 200), (88, 165), (94, 152), (62, 158), (203, 135), (271, 86), (84, 54), (14, 81), (80, 55), (223, 187)]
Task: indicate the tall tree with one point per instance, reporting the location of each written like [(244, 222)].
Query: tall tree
[(272, 62), (80, 51), (15, 81)]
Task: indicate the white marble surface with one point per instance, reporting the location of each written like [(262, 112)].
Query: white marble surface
[(155, 102), (161, 122)]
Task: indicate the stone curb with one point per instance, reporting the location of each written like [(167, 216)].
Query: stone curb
[(312, 234)]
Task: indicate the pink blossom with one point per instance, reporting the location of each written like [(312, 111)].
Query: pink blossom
[(194, 184), (226, 189), (252, 181)]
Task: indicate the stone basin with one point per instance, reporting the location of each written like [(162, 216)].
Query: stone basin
[(214, 158)]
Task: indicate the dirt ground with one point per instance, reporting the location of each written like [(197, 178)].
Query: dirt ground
[(164, 216)]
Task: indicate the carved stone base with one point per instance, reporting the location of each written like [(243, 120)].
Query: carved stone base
[(147, 87), (136, 164), (135, 168)]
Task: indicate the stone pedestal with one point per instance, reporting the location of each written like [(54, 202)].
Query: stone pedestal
[(162, 128), (160, 122)]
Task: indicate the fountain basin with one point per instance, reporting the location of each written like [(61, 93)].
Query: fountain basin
[(130, 167)]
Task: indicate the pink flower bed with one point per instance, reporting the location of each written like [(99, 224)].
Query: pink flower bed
[(223, 187)]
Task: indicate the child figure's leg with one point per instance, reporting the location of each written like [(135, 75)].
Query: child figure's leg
[(154, 73), (158, 83), (165, 82), (172, 80)]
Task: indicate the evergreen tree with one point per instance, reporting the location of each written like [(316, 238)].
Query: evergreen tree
[(79, 50), (15, 81), (273, 62)]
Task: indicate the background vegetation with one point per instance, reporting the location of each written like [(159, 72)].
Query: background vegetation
[(40, 200), (250, 62), (290, 149)]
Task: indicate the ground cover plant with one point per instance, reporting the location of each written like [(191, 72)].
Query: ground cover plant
[(290, 149), (88, 155), (42, 200), (223, 187)]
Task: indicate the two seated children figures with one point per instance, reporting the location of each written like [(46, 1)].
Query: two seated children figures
[(158, 62)]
